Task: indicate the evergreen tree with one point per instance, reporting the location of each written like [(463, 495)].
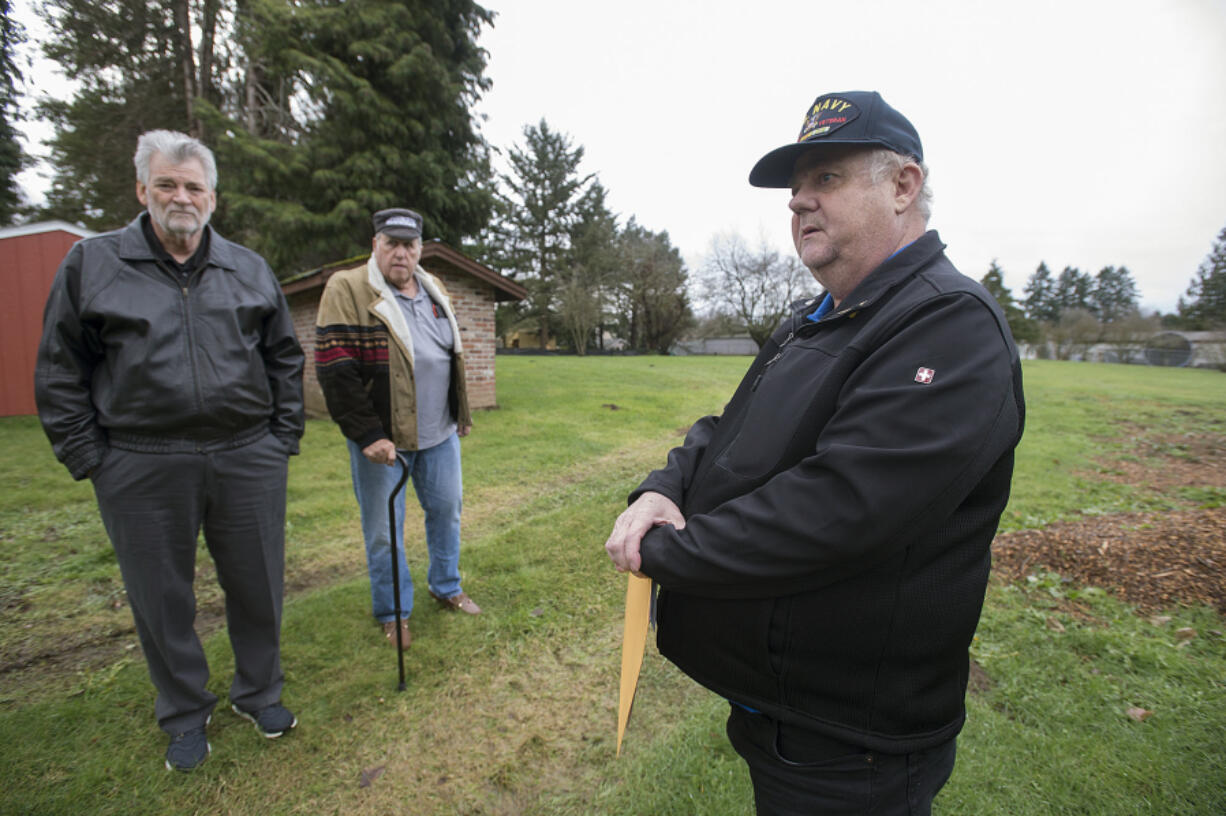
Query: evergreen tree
[(1040, 302), (537, 209), (1024, 329), (127, 57), (653, 300), (1114, 295), (12, 157), (592, 269), (1073, 289), (1203, 306), (384, 91), (320, 113)]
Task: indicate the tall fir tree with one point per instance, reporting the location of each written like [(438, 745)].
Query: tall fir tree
[(320, 113), (592, 269), (1073, 289), (362, 105), (538, 207), (1040, 301), (12, 156), (1114, 295), (1023, 328), (1203, 305), (128, 57), (654, 303)]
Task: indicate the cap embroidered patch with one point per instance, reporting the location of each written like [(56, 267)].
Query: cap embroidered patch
[(828, 114), (401, 221), (924, 375)]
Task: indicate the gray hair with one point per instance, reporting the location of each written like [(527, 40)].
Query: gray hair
[(178, 148), (885, 163)]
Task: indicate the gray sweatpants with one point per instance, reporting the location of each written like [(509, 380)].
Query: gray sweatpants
[(154, 506)]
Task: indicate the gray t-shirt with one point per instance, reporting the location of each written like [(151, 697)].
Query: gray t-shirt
[(432, 343)]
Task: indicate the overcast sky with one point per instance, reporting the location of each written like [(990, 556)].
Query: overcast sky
[(1082, 133)]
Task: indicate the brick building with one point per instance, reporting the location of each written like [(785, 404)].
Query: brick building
[(474, 289)]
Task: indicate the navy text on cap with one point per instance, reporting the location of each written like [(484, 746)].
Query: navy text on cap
[(852, 117)]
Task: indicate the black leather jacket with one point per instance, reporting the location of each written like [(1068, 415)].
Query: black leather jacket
[(839, 513), (135, 356)]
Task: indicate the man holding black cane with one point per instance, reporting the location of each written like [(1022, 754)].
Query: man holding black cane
[(390, 361)]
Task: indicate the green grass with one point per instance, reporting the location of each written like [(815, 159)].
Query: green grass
[(513, 711), (1081, 416)]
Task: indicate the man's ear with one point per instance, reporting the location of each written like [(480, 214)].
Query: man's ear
[(907, 186), (142, 194)]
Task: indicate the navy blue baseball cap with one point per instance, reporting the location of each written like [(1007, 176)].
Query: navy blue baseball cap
[(852, 117)]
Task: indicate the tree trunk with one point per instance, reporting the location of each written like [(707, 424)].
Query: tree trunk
[(183, 24), (208, 33)]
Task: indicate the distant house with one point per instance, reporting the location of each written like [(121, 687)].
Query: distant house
[(527, 339), (742, 344), (29, 257), (474, 289)]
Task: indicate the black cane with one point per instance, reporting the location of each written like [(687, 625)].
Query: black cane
[(391, 529)]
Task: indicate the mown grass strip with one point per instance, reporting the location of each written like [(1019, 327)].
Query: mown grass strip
[(513, 712)]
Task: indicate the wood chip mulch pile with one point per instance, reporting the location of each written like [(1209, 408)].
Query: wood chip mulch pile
[(1151, 561)]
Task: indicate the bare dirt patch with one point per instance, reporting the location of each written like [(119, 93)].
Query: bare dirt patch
[(92, 648), (1170, 462)]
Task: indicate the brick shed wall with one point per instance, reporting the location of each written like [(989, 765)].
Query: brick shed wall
[(473, 301)]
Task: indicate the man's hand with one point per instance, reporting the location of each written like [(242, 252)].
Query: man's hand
[(649, 510), (381, 452), (462, 430)]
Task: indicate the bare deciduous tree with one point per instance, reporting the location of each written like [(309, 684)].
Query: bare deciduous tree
[(755, 286)]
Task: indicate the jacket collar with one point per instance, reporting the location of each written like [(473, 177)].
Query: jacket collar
[(134, 247), (893, 271), (387, 307)]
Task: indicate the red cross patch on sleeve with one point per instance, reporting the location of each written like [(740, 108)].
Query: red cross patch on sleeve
[(924, 375)]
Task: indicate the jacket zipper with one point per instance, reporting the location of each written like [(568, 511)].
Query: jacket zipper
[(771, 361), (191, 345)]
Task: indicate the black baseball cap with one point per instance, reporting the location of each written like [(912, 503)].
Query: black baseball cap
[(851, 117), (398, 223)]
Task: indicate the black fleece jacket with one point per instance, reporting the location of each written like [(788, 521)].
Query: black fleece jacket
[(839, 513)]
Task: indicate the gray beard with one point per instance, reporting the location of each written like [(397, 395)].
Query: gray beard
[(177, 233)]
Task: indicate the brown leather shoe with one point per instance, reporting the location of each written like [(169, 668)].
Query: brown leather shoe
[(389, 632), (461, 602)]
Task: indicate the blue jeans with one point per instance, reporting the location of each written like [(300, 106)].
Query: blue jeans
[(436, 477)]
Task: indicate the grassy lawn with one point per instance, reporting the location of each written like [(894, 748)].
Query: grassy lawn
[(513, 711)]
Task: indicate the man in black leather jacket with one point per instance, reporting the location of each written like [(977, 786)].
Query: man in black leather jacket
[(822, 547), (169, 374)]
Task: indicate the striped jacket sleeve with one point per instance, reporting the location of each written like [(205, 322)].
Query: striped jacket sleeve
[(350, 363)]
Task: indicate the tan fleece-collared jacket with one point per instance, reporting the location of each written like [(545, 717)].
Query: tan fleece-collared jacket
[(364, 357)]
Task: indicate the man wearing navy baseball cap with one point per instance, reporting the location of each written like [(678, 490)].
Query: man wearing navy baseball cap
[(822, 547)]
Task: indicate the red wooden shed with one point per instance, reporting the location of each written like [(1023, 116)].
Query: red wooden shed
[(29, 256)]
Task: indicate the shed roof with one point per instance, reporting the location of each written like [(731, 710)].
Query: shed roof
[(45, 226), (433, 252)]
